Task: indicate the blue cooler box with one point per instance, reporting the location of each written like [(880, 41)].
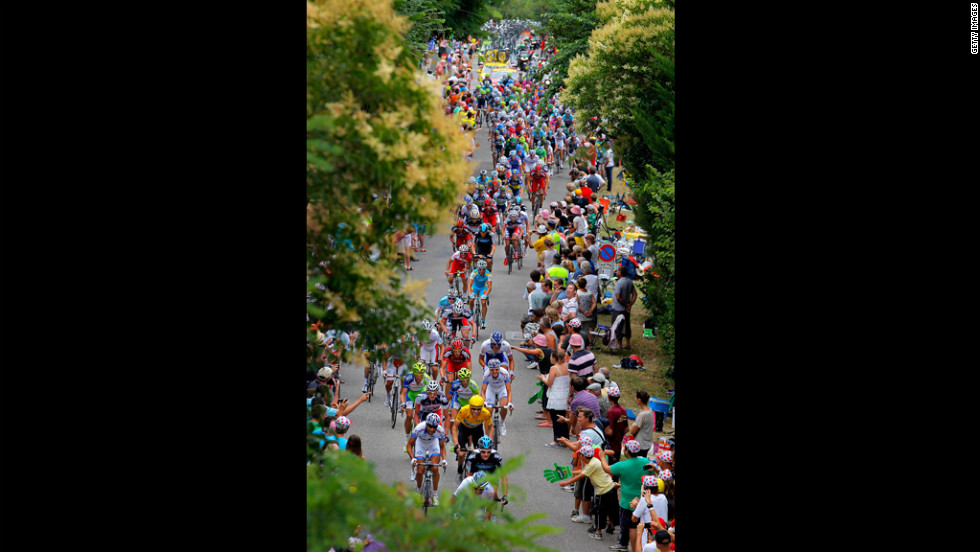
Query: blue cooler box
[(659, 405)]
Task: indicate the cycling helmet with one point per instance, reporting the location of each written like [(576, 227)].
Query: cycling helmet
[(472, 180), (432, 386), (457, 344), (480, 480), (452, 293), (513, 214), (513, 153), (488, 201), (476, 402), (464, 248), (496, 338), (517, 200), (474, 212), (426, 324), (484, 171), (342, 423), (574, 323), (486, 442), (493, 173), (458, 307), (464, 373), (419, 367), (481, 264), (484, 227), (493, 363), (432, 420)]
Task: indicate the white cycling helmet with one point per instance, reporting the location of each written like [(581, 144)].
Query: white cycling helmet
[(426, 324), (464, 248), (458, 307), (432, 386)]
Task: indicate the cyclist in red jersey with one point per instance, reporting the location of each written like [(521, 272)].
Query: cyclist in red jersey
[(453, 360), (459, 262)]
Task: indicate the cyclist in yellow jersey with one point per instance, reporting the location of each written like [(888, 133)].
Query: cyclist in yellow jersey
[(472, 422)]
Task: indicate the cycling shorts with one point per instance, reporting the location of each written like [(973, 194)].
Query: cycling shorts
[(456, 323), (493, 397), (429, 356), (424, 451), (465, 433), (478, 291), (537, 184)]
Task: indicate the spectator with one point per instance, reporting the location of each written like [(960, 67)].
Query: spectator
[(582, 361), (540, 298), (583, 398), (642, 427), (557, 383), (624, 295), (596, 472), (618, 423), (596, 389), (581, 424), (593, 181), (629, 471), (586, 308), (650, 507), (354, 446)]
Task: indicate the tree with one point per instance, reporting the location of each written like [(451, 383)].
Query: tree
[(344, 494), (626, 80), (381, 154), (568, 24), (628, 68)]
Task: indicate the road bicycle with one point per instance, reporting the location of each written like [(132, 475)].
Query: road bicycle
[(461, 461), (496, 422), (372, 378), (538, 198), (427, 483), (458, 282), (394, 402), (515, 255)]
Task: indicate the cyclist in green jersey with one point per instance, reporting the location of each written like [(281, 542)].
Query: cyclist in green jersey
[(412, 385)]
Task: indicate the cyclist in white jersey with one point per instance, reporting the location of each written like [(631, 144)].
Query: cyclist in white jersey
[(475, 485), (429, 350), (496, 391), (497, 347), (428, 442)]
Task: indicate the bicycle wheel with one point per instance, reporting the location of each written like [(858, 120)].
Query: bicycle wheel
[(394, 404), (426, 492), (520, 257), (510, 259), (496, 429)]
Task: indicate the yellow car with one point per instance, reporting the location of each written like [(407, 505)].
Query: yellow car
[(497, 71)]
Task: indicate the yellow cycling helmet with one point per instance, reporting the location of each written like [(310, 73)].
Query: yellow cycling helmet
[(476, 402)]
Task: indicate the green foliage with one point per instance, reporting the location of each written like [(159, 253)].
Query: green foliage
[(528, 10), (568, 24), (427, 20), (344, 493), (655, 214), (381, 154)]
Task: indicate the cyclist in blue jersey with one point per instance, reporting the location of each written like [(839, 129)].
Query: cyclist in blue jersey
[(479, 285)]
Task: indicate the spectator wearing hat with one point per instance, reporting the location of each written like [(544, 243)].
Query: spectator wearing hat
[(596, 389), (600, 491), (582, 361), (618, 422), (650, 506), (629, 471)]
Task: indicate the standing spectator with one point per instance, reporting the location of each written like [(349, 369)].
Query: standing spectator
[(609, 167), (650, 507), (354, 446), (596, 389), (582, 361), (596, 471), (586, 307), (630, 471), (586, 431), (581, 398), (593, 181), (557, 383), (618, 422), (624, 295), (642, 427)]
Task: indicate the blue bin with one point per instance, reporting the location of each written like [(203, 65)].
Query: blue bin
[(658, 405)]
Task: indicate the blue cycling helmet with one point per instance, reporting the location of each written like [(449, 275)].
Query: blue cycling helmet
[(486, 442), (484, 227), (432, 420), (496, 338), (517, 200)]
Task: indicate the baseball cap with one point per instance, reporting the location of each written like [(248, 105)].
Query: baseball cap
[(325, 373), (576, 341), (599, 378), (594, 387), (662, 537)]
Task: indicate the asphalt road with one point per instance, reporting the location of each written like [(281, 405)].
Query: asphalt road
[(383, 444)]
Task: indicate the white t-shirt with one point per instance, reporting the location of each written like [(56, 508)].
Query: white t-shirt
[(644, 514), (609, 158)]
